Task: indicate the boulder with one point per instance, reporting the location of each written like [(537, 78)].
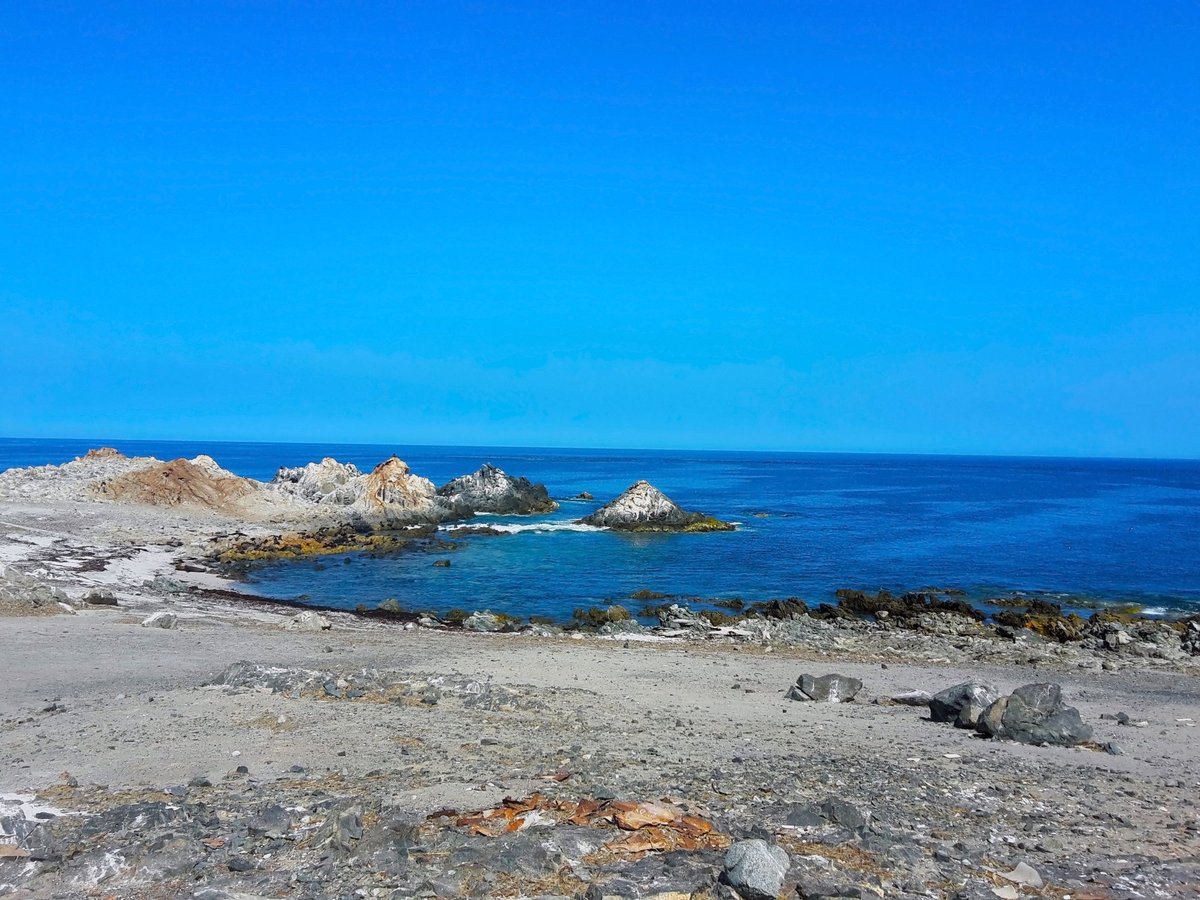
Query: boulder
[(100, 598), (308, 621), (491, 490), (962, 704), (756, 869), (643, 507), (483, 621), (161, 619), (825, 688), (1035, 714)]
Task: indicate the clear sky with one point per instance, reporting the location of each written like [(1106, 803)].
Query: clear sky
[(917, 227)]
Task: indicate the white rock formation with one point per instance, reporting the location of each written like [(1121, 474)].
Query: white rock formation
[(328, 481), (643, 507)]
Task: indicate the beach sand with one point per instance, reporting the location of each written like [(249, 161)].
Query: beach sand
[(110, 722)]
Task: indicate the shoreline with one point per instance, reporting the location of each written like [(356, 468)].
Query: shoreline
[(351, 738)]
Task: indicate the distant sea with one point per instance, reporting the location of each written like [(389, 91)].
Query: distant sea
[(1079, 531)]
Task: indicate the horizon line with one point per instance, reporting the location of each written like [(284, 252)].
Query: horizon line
[(563, 447)]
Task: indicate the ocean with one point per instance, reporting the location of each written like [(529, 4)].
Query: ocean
[(1082, 531)]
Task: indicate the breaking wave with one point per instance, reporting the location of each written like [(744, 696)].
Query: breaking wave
[(517, 527)]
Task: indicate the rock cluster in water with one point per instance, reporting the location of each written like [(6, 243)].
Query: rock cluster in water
[(330, 492), (492, 490), (643, 507)]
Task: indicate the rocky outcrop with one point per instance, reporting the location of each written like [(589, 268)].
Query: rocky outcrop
[(23, 595), (389, 495), (197, 482), (392, 495), (491, 490), (643, 507), (328, 481)]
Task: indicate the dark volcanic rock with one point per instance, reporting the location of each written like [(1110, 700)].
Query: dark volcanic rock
[(491, 490), (962, 704), (825, 688), (1035, 714), (905, 608)]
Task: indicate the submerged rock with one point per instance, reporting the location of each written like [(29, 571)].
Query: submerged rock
[(643, 507), (492, 490)]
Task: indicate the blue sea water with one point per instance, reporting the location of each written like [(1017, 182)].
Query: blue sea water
[(1087, 529)]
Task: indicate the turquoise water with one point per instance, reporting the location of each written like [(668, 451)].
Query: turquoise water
[(1108, 530)]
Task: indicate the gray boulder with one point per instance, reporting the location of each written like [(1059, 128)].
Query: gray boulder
[(161, 619), (483, 621), (756, 869), (962, 704), (309, 620), (825, 688), (491, 490), (1035, 714)]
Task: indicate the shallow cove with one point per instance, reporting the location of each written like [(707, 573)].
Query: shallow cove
[(1082, 530), (1114, 530)]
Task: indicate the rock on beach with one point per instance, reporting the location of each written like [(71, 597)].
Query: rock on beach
[(756, 869), (825, 688), (1035, 714)]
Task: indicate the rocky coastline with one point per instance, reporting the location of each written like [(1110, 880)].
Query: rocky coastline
[(169, 735)]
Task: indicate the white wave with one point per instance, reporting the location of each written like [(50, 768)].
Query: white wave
[(1154, 611), (517, 527)]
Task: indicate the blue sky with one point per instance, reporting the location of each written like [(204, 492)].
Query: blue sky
[(961, 228)]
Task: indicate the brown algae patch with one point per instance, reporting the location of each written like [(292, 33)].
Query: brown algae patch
[(322, 542)]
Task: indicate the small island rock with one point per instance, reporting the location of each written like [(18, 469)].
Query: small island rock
[(643, 507)]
